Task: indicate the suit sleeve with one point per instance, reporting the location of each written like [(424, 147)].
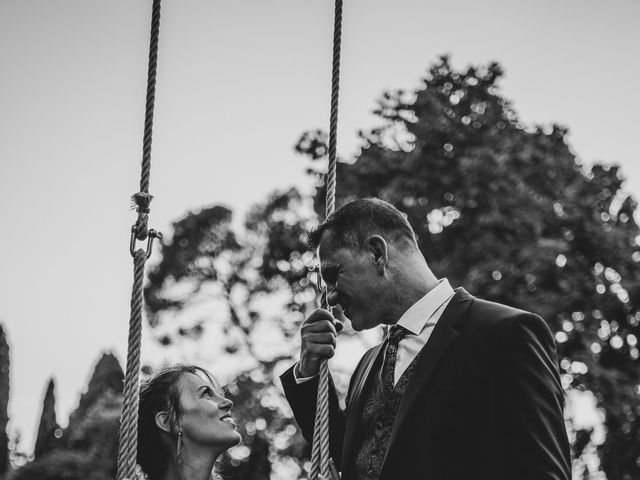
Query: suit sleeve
[(533, 429), (302, 398)]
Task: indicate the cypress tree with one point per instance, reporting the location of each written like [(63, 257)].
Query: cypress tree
[(4, 402), (107, 379), (46, 439)]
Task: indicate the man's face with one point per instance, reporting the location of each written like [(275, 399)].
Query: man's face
[(354, 282)]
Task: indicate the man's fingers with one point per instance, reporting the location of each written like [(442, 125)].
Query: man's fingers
[(318, 341), (323, 338), (318, 315), (321, 350), (319, 326)]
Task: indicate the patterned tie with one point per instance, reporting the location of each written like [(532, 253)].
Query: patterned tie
[(396, 333)]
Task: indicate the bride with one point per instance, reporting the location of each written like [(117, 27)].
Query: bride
[(184, 424)]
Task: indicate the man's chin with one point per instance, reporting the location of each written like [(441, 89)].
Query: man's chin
[(358, 325)]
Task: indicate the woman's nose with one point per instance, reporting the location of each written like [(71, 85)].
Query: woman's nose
[(225, 404)]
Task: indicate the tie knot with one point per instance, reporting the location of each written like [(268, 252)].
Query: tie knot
[(397, 333)]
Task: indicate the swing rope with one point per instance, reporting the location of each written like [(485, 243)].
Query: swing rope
[(321, 465), (128, 441)]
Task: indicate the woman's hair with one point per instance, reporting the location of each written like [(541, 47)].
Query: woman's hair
[(160, 394)]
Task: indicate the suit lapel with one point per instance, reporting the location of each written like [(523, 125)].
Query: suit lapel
[(356, 400), (444, 334)]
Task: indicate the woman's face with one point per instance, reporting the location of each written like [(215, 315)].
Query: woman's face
[(205, 413)]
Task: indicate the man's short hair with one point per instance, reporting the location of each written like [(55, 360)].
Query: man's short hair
[(353, 223)]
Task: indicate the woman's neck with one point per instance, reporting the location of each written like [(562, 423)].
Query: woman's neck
[(192, 466)]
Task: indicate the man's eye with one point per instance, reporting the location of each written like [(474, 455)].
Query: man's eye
[(330, 276)]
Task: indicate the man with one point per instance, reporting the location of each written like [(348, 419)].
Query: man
[(460, 389)]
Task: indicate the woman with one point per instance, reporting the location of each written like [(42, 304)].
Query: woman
[(184, 424)]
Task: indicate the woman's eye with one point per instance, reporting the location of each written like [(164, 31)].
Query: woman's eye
[(207, 392)]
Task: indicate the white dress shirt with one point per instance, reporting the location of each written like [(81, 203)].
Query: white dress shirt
[(419, 319)]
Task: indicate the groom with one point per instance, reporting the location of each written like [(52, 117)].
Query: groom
[(460, 389)]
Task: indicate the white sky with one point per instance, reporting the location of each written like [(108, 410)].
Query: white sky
[(238, 82)]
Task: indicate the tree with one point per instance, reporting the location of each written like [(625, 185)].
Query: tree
[(93, 426), (506, 210), (58, 465), (88, 447), (4, 402), (206, 260), (242, 294), (48, 429), (107, 378)]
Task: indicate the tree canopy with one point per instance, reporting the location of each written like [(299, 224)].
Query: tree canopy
[(87, 448)]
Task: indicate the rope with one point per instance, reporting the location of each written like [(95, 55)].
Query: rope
[(333, 120), (145, 175), (321, 465), (127, 451), (129, 421)]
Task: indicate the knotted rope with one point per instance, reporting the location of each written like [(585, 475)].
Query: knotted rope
[(142, 198), (127, 452), (321, 464)]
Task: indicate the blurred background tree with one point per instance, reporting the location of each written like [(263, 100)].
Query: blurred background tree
[(88, 447), (240, 294), (4, 402), (48, 429)]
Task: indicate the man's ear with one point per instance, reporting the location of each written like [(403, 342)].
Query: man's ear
[(378, 247), (164, 421)]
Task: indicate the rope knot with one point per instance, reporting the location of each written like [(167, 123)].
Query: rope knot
[(142, 202)]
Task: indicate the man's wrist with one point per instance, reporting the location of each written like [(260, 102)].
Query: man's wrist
[(299, 377)]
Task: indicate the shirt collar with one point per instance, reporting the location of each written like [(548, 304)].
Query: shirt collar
[(419, 314)]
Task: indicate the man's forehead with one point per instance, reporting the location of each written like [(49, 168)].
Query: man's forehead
[(326, 240), (324, 251), (330, 245)]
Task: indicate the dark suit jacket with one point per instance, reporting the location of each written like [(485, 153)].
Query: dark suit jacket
[(484, 402)]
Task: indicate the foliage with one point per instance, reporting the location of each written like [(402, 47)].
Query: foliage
[(88, 447), (244, 290), (505, 210), (4, 402), (207, 261), (61, 465), (271, 440), (107, 379), (48, 429)]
